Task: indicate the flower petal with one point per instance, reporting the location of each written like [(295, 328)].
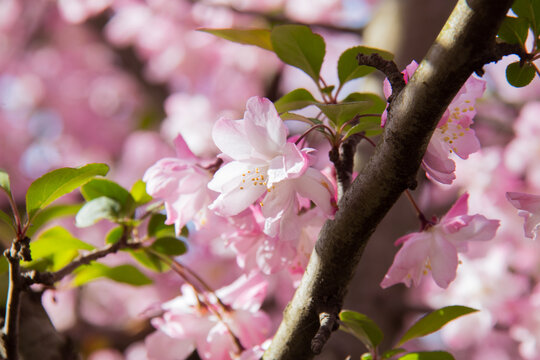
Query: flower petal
[(264, 128)]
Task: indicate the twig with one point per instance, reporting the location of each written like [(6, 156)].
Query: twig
[(49, 278), (388, 67), (328, 323), (343, 159)]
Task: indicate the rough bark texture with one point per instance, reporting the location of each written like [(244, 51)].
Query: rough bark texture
[(466, 38)]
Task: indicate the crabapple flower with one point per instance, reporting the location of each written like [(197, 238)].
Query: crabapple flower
[(529, 208), (180, 182), (199, 321), (264, 164), (436, 248), (453, 134)]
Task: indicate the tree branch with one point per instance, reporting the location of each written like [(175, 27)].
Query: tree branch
[(469, 32)]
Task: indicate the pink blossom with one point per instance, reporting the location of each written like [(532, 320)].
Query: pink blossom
[(197, 319), (180, 182), (529, 208), (264, 164), (453, 134), (436, 248)]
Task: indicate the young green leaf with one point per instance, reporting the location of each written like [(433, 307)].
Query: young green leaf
[(50, 213), (514, 30), (434, 321), (114, 235), (97, 209), (96, 188), (55, 247), (427, 355), (348, 68), (362, 327), (149, 260), (294, 100), (138, 191), (127, 274), (519, 76), (158, 228), (169, 246), (4, 182), (392, 352), (257, 37), (296, 45), (56, 183)]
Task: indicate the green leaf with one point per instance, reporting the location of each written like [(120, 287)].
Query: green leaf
[(4, 182), (54, 248), (361, 327), (169, 246), (355, 103), (97, 209), (296, 45), (530, 11), (114, 235), (50, 213), (434, 321), (138, 191), (427, 355), (6, 218), (149, 260), (127, 274), (56, 183), (366, 356), (296, 99), (96, 188), (391, 353), (158, 228), (257, 37), (520, 76), (348, 68), (514, 30)]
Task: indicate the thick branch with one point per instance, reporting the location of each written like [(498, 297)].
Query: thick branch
[(469, 32)]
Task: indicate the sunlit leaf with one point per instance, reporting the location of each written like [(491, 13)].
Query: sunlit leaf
[(97, 209), (348, 68), (114, 235), (519, 76), (434, 321), (361, 327), (138, 191), (55, 248), (127, 274), (257, 37), (390, 353), (4, 182), (427, 355), (56, 183), (298, 46), (50, 213), (294, 100)]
